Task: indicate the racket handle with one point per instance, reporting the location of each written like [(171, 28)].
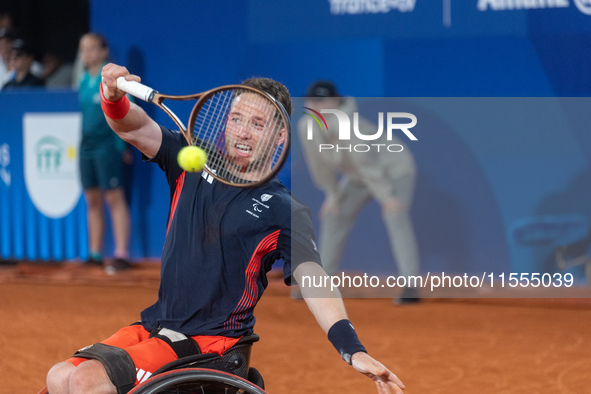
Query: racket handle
[(136, 89)]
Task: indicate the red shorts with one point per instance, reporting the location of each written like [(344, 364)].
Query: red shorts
[(149, 354)]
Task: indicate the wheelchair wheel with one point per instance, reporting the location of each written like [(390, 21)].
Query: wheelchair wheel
[(196, 381)]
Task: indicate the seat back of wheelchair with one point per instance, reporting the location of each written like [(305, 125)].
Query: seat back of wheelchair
[(235, 360)]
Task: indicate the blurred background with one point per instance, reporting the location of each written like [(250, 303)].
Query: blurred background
[(485, 199)]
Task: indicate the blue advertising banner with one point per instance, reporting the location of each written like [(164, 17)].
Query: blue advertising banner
[(43, 216), (42, 211), (403, 19)]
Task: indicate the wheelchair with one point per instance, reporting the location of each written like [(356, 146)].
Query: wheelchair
[(567, 237), (207, 373)]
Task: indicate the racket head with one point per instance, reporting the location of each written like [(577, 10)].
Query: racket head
[(245, 132)]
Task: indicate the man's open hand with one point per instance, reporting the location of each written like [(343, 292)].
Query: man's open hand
[(383, 378)]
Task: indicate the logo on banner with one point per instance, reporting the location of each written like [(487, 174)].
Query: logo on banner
[(584, 6), (353, 7), (51, 152), (344, 130), (52, 176), (507, 5), (4, 162), (502, 5)]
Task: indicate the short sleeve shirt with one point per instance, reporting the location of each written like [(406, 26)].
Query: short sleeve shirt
[(220, 243)]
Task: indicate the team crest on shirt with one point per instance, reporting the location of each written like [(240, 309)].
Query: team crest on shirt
[(259, 206)]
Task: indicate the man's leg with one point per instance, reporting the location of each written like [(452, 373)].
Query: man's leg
[(402, 236), (120, 218), (335, 227), (89, 377), (110, 179), (95, 218), (403, 242), (58, 378), (80, 375)]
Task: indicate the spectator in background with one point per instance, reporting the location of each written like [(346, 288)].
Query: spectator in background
[(101, 159), (6, 20), (6, 39), (56, 73), (77, 70), (8, 33), (20, 60), (387, 177)]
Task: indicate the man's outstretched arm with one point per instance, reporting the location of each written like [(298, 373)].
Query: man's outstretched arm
[(327, 307), (133, 126)]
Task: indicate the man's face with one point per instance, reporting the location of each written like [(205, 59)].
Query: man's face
[(20, 61), (251, 133), (5, 48), (91, 52)]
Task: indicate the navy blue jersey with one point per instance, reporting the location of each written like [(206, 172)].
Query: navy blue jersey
[(220, 243)]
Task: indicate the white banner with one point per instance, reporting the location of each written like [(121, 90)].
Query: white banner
[(50, 143)]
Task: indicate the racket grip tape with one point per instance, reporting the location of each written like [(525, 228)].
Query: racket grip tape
[(136, 89)]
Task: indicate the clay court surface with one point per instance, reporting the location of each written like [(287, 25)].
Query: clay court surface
[(438, 346)]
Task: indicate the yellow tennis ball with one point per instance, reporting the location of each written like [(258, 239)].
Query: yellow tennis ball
[(192, 158)]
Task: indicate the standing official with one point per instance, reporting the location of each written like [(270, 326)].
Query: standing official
[(101, 159), (350, 179)]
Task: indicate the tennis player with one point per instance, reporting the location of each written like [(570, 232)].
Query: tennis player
[(221, 241)]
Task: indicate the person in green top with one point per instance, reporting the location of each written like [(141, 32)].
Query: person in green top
[(101, 158)]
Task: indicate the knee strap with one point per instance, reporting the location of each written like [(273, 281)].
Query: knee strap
[(182, 345), (117, 363)]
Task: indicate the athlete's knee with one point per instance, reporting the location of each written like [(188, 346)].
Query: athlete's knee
[(90, 377), (115, 197), (396, 216), (112, 367), (94, 198), (58, 378)]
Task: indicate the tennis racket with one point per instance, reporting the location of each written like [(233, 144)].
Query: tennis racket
[(245, 132)]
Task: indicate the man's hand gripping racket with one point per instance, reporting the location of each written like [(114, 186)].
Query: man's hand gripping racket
[(244, 132)]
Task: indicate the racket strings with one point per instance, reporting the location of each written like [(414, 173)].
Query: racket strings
[(243, 134), (210, 121)]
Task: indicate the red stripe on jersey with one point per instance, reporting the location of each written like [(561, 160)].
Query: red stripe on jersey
[(180, 181), (251, 290), (250, 293)]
